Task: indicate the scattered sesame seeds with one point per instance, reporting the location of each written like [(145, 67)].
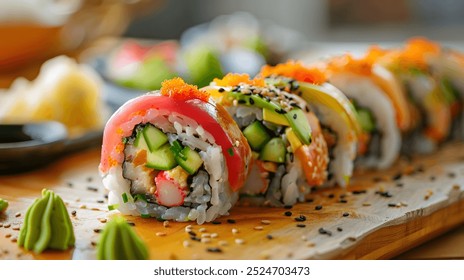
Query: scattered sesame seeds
[(239, 241), (339, 229), (14, 239), (214, 235), (83, 206), (300, 225), (318, 207), (428, 194), (100, 201), (17, 227), (356, 192), (160, 233), (399, 185), (432, 178), (343, 201), (231, 221), (331, 195), (206, 235), (194, 238), (221, 89), (397, 176), (186, 243), (345, 214), (265, 222), (102, 220), (258, 228), (6, 225), (377, 179), (366, 204), (93, 243), (216, 222), (384, 193), (132, 224), (202, 229), (8, 235), (1, 224), (234, 231), (96, 230), (270, 237), (166, 224), (288, 213), (456, 187), (17, 215), (451, 175), (392, 205), (215, 249), (192, 233)]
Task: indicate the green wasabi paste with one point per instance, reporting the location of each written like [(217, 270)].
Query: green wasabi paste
[(119, 241), (47, 225)]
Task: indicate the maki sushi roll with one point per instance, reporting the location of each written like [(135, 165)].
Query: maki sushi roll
[(431, 106), (380, 143), (289, 150), (337, 116), (173, 154)]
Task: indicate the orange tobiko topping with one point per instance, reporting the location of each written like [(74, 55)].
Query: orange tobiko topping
[(295, 70), (233, 79), (347, 63), (178, 89), (415, 53)]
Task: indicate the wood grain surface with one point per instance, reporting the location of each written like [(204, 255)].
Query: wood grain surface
[(381, 214)]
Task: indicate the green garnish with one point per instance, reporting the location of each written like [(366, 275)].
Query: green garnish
[(118, 241), (47, 225), (124, 198), (145, 216), (3, 205), (176, 149), (230, 151), (113, 207), (140, 196)]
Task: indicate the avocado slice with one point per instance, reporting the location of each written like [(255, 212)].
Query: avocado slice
[(300, 125)]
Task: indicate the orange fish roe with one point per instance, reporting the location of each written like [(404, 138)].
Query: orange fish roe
[(233, 79), (361, 66), (178, 89), (295, 70)]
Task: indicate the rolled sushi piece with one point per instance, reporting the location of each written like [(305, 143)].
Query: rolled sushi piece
[(337, 116), (430, 104), (380, 143), (289, 150), (173, 154)]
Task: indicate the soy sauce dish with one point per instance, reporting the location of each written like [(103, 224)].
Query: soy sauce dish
[(27, 146)]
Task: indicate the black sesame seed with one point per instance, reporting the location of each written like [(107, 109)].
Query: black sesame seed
[(216, 222), (231, 221), (399, 185), (377, 179), (93, 189), (300, 225), (294, 116), (451, 175), (192, 233), (97, 230), (300, 218), (343, 195), (318, 207), (89, 179), (270, 237), (242, 101), (343, 201), (74, 213), (221, 90), (339, 229), (346, 214), (105, 196), (420, 168), (384, 194), (359, 192), (100, 201), (288, 213), (307, 109), (324, 231), (331, 195), (397, 177), (132, 224), (309, 200), (69, 184), (194, 238), (93, 243), (288, 206), (252, 101), (214, 250), (432, 178), (391, 204)]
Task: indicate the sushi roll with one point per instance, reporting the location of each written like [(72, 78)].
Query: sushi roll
[(338, 118), (430, 106), (289, 150), (173, 154), (380, 144)]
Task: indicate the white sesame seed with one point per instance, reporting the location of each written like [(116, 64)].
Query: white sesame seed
[(202, 229), (366, 204), (223, 243), (186, 243), (205, 240), (234, 231), (214, 235), (166, 224), (304, 238), (265, 222), (258, 228), (160, 234), (239, 241), (83, 206), (207, 235)]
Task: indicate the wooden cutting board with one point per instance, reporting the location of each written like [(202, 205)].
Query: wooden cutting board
[(381, 214)]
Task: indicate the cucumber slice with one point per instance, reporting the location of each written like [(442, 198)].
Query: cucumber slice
[(274, 151), (256, 135), (154, 137), (161, 159), (190, 160), (140, 141)]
